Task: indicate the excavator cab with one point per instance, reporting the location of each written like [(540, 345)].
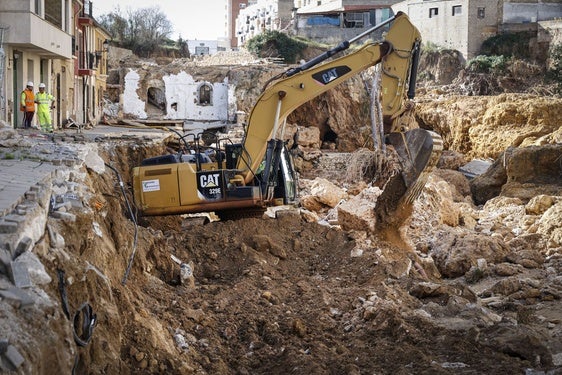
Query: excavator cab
[(276, 174)]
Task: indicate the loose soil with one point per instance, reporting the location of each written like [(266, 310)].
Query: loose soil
[(270, 296)]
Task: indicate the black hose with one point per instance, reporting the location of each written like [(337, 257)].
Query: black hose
[(133, 218), (62, 291)]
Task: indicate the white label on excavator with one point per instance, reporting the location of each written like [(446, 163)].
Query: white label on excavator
[(150, 185)]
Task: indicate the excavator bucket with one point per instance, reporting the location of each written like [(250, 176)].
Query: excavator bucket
[(418, 152)]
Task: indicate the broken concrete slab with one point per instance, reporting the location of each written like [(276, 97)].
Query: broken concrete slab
[(475, 168), (20, 274), (5, 259), (23, 246), (35, 268), (8, 227), (65, 216), (5, 284), (13, 357), (17, 297)]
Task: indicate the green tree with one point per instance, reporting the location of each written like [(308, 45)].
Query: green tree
[(487, 64), (509, 45), (276, 44), (182, 46)]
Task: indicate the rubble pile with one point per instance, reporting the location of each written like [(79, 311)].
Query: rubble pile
[(241, 57)]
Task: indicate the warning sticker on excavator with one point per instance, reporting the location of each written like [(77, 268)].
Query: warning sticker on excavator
[(209, 185), (150, 185)]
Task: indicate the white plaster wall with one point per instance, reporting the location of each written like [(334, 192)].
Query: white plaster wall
[(132, 104), (182, 89), (232, 107)]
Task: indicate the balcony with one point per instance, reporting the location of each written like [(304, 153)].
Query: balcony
[(86, 21), (30, 32), (87, 64)]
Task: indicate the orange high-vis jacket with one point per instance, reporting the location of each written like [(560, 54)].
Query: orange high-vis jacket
[(27, 101)]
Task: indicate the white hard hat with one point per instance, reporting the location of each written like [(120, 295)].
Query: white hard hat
[(30, 84), (41, 85)]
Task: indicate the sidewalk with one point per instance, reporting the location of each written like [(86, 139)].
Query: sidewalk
[(30, 160), (17, 177)]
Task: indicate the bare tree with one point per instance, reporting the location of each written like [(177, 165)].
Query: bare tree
[(142, 30)]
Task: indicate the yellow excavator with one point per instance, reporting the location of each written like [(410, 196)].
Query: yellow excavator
[(239, 179)]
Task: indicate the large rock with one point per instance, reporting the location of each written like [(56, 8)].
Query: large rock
[(521, 173), (322, 194), (484, 126), (456, 252), (549, 225), (459, 184), (359, 211), (441, 66)]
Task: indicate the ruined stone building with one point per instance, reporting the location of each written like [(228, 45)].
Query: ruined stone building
[(56, 42), (160, 92), (463, 25)]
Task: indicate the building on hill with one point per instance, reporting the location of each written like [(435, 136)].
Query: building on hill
[(263, 15), (90, 65), (34, 37), (333, 21), (233, 8), (202, 47), (464, 25)]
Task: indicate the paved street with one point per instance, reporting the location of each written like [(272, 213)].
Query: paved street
[(31, 161)]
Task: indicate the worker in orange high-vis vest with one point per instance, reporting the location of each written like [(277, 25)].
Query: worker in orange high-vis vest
[(45, 102), (27, 105)]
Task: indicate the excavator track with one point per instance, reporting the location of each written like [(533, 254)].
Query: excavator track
[(418, 152)]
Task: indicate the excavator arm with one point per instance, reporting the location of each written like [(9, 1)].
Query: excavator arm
[(242, 179), (418, 150), (299, 85)]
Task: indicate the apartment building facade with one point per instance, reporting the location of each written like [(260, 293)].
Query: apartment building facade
[(41, 41), (91, 44), (233, 8), (464, 25), (262, 15)]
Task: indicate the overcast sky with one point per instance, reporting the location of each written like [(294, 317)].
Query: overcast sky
[(192, 19)]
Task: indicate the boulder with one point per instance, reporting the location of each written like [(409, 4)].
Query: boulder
[(455, 252), (359, 211), (521, 173)]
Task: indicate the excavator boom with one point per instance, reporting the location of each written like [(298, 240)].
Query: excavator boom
[(300, 85), (258, 172)]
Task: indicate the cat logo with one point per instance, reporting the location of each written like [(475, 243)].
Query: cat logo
[(329, 75), (210, 185), (209, 180)]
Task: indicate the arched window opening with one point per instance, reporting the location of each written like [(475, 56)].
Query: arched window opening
[(156, 101), (205, 94)]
